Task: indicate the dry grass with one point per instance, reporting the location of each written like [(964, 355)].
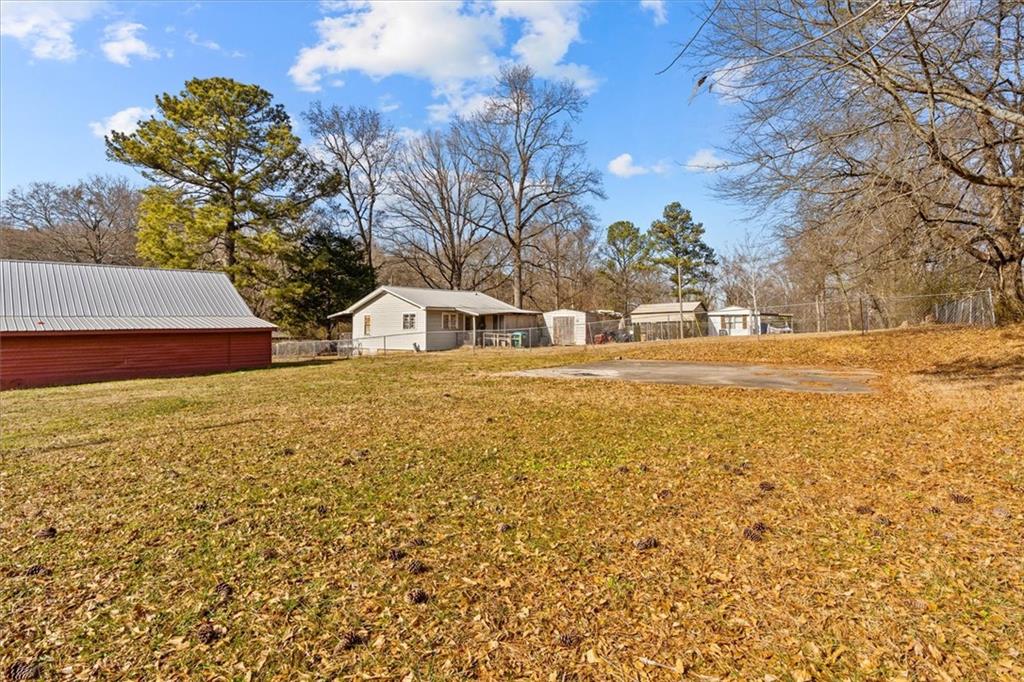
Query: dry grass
[(420, 515)]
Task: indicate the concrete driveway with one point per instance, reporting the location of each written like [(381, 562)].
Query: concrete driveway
[(713, 374)]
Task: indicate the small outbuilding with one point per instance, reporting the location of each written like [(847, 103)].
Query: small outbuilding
[(653, 321), (69, 323), (420, 319), (567, 327), (736, 320)]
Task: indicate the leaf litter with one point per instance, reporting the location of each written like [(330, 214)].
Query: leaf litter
[(929, 589)]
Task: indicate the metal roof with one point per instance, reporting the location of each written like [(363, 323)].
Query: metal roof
[(44, 296), (469, 302), (647, 308)]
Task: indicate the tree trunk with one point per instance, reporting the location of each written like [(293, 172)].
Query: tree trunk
[(679, 294), (230, 259), (1009, 304), (517, 276)]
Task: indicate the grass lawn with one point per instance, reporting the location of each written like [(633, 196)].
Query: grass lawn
[(283, 523)]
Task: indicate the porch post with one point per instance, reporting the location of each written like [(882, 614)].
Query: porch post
[(474, 331)]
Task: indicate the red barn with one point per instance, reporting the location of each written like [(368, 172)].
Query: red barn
[(69, 323)]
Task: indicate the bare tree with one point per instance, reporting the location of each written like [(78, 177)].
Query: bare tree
[(91, 221), (918, 104), (361, 146), (438, 215), (748, 274), (562, 260), (523, 147)]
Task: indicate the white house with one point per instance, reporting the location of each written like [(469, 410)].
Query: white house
[(578, 327), (417, 319), (736, 320), (652, 321)]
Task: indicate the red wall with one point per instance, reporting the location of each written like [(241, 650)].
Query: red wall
[(50, 358)]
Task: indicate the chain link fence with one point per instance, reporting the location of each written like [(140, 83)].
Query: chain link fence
[(870, 313), (833, 315)]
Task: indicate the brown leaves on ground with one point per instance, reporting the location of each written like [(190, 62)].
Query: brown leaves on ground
[(788, 536)]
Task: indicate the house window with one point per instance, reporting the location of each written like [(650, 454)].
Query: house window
[(409, 321), (450, 321), (366, 325)]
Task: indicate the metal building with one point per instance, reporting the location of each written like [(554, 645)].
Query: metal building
[(66, 323)]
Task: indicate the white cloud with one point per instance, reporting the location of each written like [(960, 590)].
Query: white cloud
[(407, 134), (705, 160), (122, 43), (549, 29), (437, 41), (624, 167), (193, 37), (387, 103), (457, 46), (657, 10), (45, 28), (124, 121), (729, 82)]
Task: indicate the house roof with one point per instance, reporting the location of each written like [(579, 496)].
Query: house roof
[(740, 310), (43, 296), (468, 302), (673, 307)]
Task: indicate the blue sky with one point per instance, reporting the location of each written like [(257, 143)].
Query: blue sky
[(71, 71)]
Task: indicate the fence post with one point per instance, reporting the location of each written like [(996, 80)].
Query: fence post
[(863, 320), (991, 307)]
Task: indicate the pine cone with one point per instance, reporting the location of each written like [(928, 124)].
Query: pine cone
[(960, 498), (752, 535), (47, 533), (568, 639), (417, 596), (208, 633), (417, 567), (20, 670), (646, 543), (38, 570), (351, 639), (224, 591)]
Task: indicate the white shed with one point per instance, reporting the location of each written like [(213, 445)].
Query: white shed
[(567, 327), (736, 320)]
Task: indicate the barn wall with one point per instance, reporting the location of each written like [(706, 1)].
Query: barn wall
[(49, 358)]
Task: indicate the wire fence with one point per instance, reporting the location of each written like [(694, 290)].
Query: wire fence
[(862, 314), (868, 313)]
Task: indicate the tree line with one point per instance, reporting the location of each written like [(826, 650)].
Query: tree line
[(496, 201)]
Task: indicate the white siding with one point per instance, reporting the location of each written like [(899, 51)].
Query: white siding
[(580, 320), (717, 324), (386, 325)]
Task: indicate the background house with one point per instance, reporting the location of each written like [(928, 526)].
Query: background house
[(412, 318), (652, 321), (736, 320), (65, 323)]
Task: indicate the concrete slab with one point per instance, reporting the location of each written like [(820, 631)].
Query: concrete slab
[(713, 374)]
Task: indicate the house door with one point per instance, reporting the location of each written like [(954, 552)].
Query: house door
[(564, 331)]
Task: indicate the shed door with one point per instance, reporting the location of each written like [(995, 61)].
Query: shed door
[(564, 333)]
